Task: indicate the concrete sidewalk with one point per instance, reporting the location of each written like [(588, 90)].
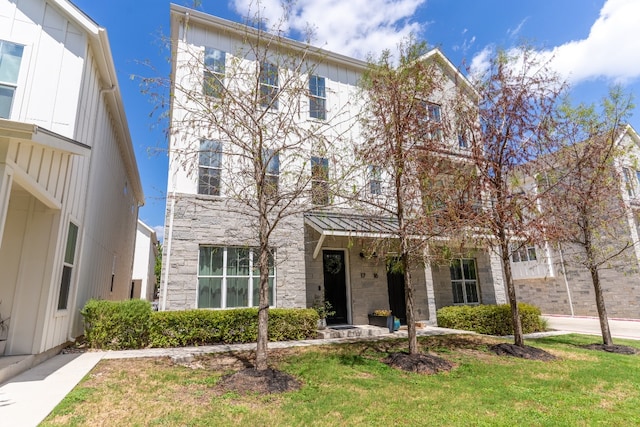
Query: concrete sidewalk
[(620, 328), (25, 400)]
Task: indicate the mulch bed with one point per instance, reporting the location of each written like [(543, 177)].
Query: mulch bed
[(250, 380), (419, 363), (525, 352), (618, 349)]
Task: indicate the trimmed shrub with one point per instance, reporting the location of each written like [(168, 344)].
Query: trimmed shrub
[(116, 325), (201, 327), (490, 319)]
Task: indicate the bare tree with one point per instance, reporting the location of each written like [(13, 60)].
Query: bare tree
[(406, 142), (240, 121), (583, 203), (510, 129)]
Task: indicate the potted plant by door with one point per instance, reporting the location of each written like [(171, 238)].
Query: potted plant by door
[(324, 309)]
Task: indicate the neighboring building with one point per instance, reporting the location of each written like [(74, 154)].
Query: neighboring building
[(549, 278), (143, 279), (69, 183), (208, 257)]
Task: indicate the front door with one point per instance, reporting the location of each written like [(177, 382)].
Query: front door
[(335, 285), (397, 302)]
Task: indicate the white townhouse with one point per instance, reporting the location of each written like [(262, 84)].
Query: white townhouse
[(322, 252), (549, 277), (69, 183), (143, 279)]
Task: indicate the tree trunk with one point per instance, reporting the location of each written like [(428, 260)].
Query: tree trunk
[(409, 300), (602, 311), (511, 294), (263, 311)]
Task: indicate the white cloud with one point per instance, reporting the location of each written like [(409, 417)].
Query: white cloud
[(516, 31), (159, 229), (355, 28), (611, 50)]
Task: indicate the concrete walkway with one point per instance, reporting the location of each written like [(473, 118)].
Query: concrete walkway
[(620, 328), (28, 398)]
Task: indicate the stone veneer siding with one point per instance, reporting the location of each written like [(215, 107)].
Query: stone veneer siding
[(620, 285), (213, 221)]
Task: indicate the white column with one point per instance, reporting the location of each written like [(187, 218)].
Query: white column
[(495, 262), (431, 296)]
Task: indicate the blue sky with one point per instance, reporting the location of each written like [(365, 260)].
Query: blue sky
[(593, 41)]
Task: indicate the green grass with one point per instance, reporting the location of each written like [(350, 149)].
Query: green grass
[(347, 385)]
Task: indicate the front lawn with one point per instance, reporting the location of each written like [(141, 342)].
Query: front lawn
[(347, 385)]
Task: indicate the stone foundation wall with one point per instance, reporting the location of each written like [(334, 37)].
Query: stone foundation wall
[(207, 221)]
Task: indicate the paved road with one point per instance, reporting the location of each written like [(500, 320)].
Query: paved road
[(591, 325)]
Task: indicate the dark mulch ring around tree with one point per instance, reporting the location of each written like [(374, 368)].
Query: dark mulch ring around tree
[(618, 349), (525, 352), (250, 380), (419, 363)]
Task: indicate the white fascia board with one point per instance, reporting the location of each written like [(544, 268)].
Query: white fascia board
[(240, 31), (41, 136), (99, 44)]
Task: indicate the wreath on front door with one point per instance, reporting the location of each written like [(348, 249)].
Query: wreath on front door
[(332, 264)]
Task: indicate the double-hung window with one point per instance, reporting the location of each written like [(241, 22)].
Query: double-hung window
[(214, 69), (317, 98), (319, 181), (271, 161), (67, 267), (524, 254), (375, 180), (631, 191), (269, 85), (229, 277), (464, 281), (209, 167), (432, 119), (10, 58)]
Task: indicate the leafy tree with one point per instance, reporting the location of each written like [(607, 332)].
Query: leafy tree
[(510, 128), (251, 106), (157, 269), (583, 203), (406, 142)]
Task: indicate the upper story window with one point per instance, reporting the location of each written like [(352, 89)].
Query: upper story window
[(209, 167), (271, 161), (375, 180), (462, 141), (432, 118), (269, 85), (319, 180), (631, 191), (214, 69), (317, 98), (524, 254), (10, 57)]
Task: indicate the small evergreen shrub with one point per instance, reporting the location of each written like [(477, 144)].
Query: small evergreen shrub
[(490, 319), (117, 325)]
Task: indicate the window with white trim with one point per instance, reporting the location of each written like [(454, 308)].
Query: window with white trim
[(317, 98), (10, 58), (319, 180), (631, 191), (214, 69), (464, 281), (229, 277), (269, 85), (375, 180), (271, 160), (209, 167), (67, 267), (524, 254)]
